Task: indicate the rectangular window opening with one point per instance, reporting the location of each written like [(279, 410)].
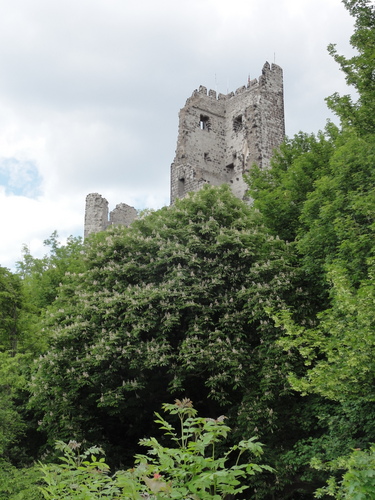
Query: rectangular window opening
[(181, 187), (237, 123), (204, 122)]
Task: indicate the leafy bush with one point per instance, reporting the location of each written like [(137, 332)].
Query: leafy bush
[(19, 484), (190, 470), (358, 476)]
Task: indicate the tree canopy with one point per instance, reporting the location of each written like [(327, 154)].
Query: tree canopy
[(359, 71), (173, 305), (262, 312)]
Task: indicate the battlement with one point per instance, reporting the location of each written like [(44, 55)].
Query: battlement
[(221, 135), (269, 73)]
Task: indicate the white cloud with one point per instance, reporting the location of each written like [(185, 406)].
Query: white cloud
[(19, 177), (90, 92)]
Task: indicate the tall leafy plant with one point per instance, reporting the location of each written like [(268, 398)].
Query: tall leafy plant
[(190, 469)]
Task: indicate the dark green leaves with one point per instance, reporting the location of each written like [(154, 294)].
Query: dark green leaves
[(173, 304)]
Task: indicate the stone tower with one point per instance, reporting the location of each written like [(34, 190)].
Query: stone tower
[(96, 214), (220, 137)]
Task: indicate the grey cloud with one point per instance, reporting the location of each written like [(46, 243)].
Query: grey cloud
[(96, 86)]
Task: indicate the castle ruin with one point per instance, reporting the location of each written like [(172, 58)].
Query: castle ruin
[(219, 138), (98, 219)]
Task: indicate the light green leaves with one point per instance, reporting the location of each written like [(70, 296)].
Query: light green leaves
[(191, 470)]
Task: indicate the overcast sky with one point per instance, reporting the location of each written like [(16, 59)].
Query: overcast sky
[(90, 92)]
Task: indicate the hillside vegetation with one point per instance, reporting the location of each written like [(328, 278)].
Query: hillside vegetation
[(264, 314)]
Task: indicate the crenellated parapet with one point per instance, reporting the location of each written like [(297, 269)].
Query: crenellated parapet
[(221, 135), (270, 73)]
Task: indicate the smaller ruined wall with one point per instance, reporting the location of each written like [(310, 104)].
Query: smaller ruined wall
[(97, 218), (122, 215), (96, 214)]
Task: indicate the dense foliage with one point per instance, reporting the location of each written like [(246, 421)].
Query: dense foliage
[(10, 308), (186, 470), (359, 71), (172, 305), (333, 226), (264, 313)]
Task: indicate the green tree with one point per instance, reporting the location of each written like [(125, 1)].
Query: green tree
[(322, 199), (10, 307), (339, 350), (11, 379), (319, 194), (320, 190), (41, 279), (359, 71), (19, 483), (172, 305), (336, 238), (337, 218), (43, 276), (279, 193), (24, 297), (357, 481)]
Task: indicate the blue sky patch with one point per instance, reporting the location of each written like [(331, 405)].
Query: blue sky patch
[(20, 177)]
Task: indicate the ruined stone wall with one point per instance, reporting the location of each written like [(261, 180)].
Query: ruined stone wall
[(97, 218), (272, 111), (96, 214), (220, 137), (122, 215)]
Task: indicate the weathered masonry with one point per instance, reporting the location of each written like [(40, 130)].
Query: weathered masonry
[(98, 219), (220, 137)]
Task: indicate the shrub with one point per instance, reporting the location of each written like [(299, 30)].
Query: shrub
[(189, 470)]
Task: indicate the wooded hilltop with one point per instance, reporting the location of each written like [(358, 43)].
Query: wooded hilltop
[(264, 314)]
